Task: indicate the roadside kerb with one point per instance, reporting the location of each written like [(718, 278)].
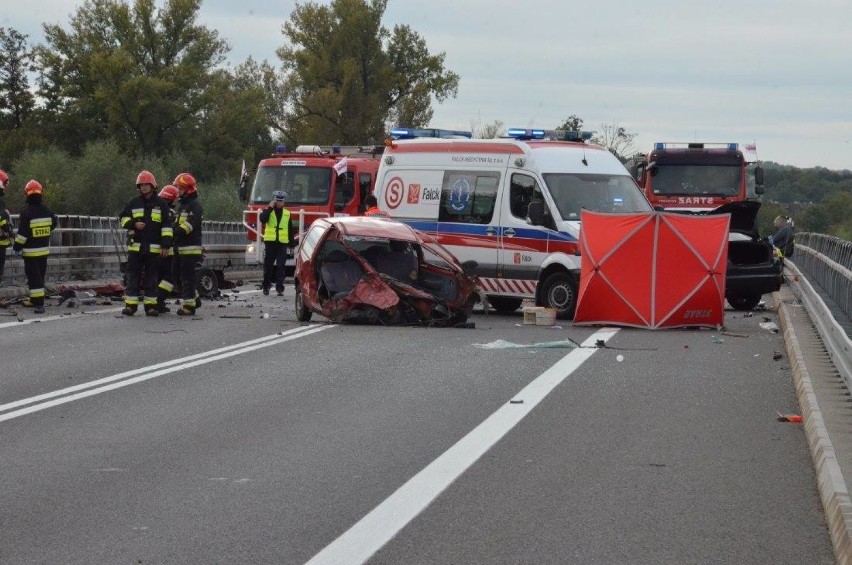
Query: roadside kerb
[(828, 462)]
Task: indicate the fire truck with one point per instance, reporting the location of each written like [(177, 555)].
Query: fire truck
[(318, 181), (698, 177)]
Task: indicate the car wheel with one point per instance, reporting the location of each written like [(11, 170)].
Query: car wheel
[(560, 293), (303, 314), (505, 304), (206, 283), (744, 302)]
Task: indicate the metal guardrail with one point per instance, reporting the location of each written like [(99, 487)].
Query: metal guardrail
[(827, 261), (822, 278), (93, 247)]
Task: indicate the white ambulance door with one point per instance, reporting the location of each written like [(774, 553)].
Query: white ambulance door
[(523, 247), (467, 217)]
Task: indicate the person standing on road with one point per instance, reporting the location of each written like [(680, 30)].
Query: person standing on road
[(166, 285), (373, 209), (145, 218), (5, 223), (277, 237), (35, 224), (188, 251), (783, 237)]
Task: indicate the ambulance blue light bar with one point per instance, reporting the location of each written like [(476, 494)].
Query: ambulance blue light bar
[(525, 134), (411, 133), (660, 145)]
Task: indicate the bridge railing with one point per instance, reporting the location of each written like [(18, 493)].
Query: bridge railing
[(827, 261), (93, 247)]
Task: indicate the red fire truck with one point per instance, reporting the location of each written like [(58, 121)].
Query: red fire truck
[(317, 181), (698, 177)]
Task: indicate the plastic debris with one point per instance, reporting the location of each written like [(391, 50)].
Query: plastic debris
[(619, 358), (503, 344), (516, 401), (776, 355), (770, 326), (717, 339), (789, 417)]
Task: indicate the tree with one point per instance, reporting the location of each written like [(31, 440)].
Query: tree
[(137, 74), (572, 123), (487, 131), (617, 139), (347, 75), (16, 60)]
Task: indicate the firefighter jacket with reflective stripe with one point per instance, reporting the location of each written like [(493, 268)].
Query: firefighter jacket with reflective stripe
[(376, 212), (278, 227), (154, 213), (35, 224), (187, 228), (5, 228)]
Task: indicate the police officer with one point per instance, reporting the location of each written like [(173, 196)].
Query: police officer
[(35, 224), (187, 242), (5, 223), (145, 217), (277, 236), (166, 286)]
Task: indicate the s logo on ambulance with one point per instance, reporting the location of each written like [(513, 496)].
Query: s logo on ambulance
[(394, 192)]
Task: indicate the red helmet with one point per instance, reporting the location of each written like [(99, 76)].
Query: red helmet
[(169, 193), (185, 181), (33, 187), (4, 179), (145, 177)]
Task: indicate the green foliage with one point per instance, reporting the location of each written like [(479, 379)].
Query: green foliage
[(52, 167), (221, 202), (348, 76)]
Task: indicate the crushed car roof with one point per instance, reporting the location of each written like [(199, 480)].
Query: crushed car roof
[(374, 227)]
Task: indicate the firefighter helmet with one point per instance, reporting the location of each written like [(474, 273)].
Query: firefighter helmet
[(4, 179), (145, 177), (186, 182), (33, 187), (169, 193)]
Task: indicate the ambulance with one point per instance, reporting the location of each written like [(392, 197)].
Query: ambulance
[(511, 205)]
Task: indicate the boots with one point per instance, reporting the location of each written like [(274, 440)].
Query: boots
[(129, 310)]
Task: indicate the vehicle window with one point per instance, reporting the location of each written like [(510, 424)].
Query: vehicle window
[(302, 185), (673, 179), (598, 193), (468, 197), (364, 181), (522, 190), (345, 190), (314, 234)]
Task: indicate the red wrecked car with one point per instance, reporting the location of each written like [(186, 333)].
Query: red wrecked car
[(374, 270)]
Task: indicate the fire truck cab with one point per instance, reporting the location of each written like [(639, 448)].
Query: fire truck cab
[(512, 205), (698, 177), (317, 181)]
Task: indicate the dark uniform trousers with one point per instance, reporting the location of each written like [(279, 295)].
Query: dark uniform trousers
[(35, 268), (274, 260), (183, 271), (142, 264)]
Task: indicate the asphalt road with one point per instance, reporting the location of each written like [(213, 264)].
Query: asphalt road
[(242, 436)]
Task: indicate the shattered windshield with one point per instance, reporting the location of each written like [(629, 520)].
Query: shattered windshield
[(301, 185), (597, 193), (715, 180)]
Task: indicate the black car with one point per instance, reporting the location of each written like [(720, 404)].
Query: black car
[(754, 265)]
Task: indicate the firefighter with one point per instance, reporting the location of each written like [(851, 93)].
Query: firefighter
[(187, 242), (5, 223), (145, 217), (277, 236), (166, 285), (35, 224), (372, 205)]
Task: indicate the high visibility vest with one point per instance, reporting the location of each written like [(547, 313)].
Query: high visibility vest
[(276, 232)]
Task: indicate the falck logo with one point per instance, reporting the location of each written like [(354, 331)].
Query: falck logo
[(413, 193)]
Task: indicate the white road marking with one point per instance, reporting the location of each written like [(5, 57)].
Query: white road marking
[(144, 373), (374, 530)]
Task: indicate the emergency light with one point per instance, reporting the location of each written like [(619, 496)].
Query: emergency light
[(525, 134), (409, 133), (281, 149), (661, 145)]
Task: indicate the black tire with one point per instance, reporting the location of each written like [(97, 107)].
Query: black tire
[(504, 304), (559, 291), (206, 283), (744, 302), (303, 314)]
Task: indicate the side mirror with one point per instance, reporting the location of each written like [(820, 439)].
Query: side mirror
[(535, 213), (758, 178)]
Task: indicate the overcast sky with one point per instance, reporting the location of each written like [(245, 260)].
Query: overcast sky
[(777, 73)]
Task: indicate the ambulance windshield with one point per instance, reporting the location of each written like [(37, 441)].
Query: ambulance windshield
[(301, 185), (616, 194)]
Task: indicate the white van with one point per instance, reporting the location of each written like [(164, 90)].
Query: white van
[(512, 205)]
